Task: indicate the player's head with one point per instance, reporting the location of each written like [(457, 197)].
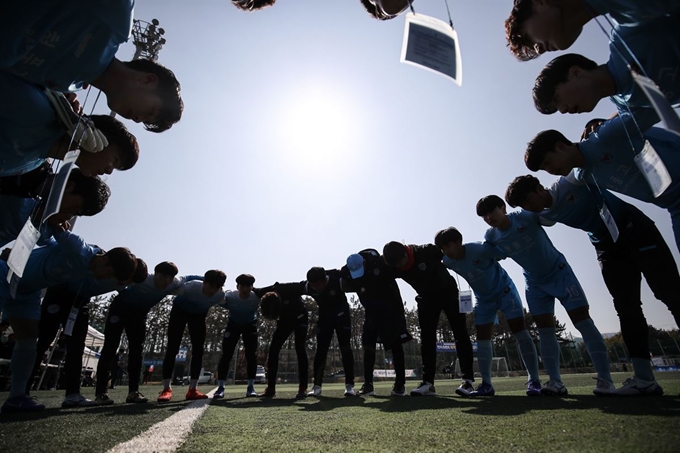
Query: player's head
[(119, 263), (385, 9), (83, 196), (538, 26), (317, 279), (528, 193), (270, 305), (492, 209), (449, 241), (149, 93), (141, 272), (213, 281), (567, 85), (164, 273), (355, 265), (395, 255), (252, 5), (121, 153), (244, 284), (550, 151)]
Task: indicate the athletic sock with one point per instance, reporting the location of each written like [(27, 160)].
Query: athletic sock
[(220, 383), (642, 368), (21, 366), (596, 347), (193, 384), (484, 356), (166, 384), (527, 349), (251, 382), (550, 352)]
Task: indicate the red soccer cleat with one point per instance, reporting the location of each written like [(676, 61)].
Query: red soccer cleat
[(165, 396), (194, 394)]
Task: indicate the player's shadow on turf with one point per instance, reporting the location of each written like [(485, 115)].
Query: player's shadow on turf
[(324, 403), (664, 406)]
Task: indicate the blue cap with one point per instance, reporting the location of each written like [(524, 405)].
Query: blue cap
[(355, 264)]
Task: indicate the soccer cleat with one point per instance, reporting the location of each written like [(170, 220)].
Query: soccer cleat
[(165, 396), (103, 399), (483, 389), (77, 400), (424, 389), (302, 392), (23, 403), (634, 387), (250, 392), (194, 394), (269, 392), (349, 390), (398, 390), (367, 389), (534, 388), (465, 389), (219, 393), (136, 397), (554, 388), (316, 391), (603, 387)]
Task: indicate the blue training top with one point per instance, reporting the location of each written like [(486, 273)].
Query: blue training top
[(193, 301), (241, 311), (144, 296), (630, 13), (481, 270)]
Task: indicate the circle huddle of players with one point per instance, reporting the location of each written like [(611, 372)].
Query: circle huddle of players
[(43, 61)]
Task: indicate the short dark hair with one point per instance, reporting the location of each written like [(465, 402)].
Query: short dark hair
[(542, 144), (117, 134), (94, 191), (393, 252), (376, 12), (215, 277), (141, 273), (245, 280), (316, 274), (520, 188), (488, 204), (446, 236), (270, 304), (519, 45), (168, 89), (554, 73), (123, 262), (252, 5), (166, 268)]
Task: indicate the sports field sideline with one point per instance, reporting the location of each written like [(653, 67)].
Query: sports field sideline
[(510, 421)]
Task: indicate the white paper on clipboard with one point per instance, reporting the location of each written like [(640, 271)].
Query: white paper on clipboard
[(432, 44), (21, 251), (659, 101), (59, 185)]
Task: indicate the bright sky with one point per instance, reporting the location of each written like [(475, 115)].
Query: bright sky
[(304, 139)]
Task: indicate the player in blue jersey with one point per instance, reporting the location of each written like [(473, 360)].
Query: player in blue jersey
[(421, 267), (638, 250), (32, 133), (606, 157), (538, 26), (190, 309), (520, 236), (494, 290), (242, 305), (283, 302), (58, 303), (65, 44), (252, 5), (128, 312), (334, 317), (66, 258)]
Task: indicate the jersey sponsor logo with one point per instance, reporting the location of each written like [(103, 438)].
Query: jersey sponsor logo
[(422, 266), (606, 158), (571, 198), (53, 309), (521, 229)]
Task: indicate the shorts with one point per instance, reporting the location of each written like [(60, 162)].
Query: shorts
[(562, 285), (507, 301)]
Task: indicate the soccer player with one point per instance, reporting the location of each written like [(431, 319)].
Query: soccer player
[(67, 258), (66, 44), (367, 275), (421, 267), (538, 26), (283, 302), (520, 236), (607, 157), (242, 305), (334, 317), (128, 312), (639, 250), (252, 5), (190, 309), (494, 290), (385, 9)]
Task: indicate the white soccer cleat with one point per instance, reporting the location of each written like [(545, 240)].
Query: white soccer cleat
[(316, 391), (554, 388), (603, 387), (424, 389), (349, 390), (634, 387)]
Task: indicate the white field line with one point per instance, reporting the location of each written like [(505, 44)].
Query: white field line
[(167, 435)]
